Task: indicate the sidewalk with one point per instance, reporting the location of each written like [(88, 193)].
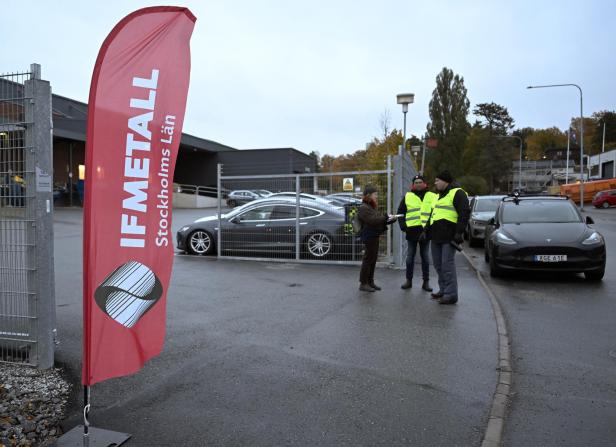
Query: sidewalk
[(263, 354)]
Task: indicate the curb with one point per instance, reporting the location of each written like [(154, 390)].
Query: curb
[(500, 401)]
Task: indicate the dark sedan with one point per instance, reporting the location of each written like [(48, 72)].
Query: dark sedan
[(267, 227), (543, 233)]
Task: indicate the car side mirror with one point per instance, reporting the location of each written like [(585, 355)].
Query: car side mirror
[(492, 221), (589, 220), (235, 219)]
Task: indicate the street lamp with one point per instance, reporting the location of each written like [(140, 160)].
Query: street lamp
[(581, 134), (520, 165), (405, 99)]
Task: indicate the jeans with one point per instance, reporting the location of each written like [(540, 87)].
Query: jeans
[(443, 258), (410, 258), (368, 263)]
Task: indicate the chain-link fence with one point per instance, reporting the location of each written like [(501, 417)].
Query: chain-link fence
[(26, 251), (302, 217)]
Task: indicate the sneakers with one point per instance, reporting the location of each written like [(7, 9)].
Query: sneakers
[(407, 284), (366, 288), (426, 286), (437, 295), (374, 286)]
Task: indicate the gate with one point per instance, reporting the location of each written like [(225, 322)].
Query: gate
[(299, 217), (27, 306)]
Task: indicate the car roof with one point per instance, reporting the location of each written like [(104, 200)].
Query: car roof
[(282, 200), (496, 196)]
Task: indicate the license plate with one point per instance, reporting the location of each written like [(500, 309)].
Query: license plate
[(550, 258)]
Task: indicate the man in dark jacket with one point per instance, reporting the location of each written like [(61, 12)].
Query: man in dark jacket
[(373, 225), (415, 208), (449, 218)]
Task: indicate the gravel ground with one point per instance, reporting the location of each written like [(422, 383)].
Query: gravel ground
[(32, 404)]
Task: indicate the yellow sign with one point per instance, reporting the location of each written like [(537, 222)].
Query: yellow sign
[(347, 184)]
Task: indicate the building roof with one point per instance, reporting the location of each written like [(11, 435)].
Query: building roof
[(70, 120)]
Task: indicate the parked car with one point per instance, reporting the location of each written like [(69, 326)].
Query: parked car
[(263, 192), (605, 199), (343, 199), (545, 233), (240, 197), (268, 226), (318, 199), (482, 209)]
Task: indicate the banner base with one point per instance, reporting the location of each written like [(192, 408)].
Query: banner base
[(98, 437)]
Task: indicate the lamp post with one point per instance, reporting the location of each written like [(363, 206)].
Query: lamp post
[(520, 164), (581, 134), (405, 99)]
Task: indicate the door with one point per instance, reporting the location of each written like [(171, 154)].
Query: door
[(248, 230)]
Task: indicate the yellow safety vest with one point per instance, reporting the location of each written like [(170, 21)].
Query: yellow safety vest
[(444, 209), (417, 210)]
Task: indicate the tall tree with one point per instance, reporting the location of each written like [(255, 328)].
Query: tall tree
[(609, 118), (495, 118), (317, 160), (495, 152), (448, 122)]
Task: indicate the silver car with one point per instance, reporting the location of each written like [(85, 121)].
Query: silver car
[(482, 210)]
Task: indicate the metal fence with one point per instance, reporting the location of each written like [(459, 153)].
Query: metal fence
[(27, 310), (301, 217)]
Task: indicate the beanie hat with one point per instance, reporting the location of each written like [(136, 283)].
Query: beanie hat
[(369, 189), (419, 177), (445, 176)]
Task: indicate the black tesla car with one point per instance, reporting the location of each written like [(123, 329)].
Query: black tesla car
[(267, 227), (545, 233)]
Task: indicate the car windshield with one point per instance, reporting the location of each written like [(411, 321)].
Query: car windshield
[(540, 211), (483, 205)]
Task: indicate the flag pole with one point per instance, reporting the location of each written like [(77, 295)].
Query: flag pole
[(86, 412)]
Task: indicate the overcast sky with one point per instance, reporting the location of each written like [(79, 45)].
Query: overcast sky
[(318, 75)]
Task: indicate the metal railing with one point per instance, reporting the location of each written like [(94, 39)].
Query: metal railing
[(299, 217), (207, 191)]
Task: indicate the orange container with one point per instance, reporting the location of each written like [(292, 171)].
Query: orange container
[(590, 189)]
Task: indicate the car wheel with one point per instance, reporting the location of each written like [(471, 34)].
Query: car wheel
[(595, 275), (231, 203), (319, 245), (200, 242), (495, 271), (605, 205)]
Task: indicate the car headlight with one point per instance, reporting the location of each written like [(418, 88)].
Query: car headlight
[(183, 229), (504, 239), (593, 239)]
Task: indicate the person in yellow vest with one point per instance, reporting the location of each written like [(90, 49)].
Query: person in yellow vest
[(449, 217), (416, 207)]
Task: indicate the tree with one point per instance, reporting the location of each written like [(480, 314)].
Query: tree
[(317, 160), (542, 139), (590, 128), (496, 118), (448, 122), (609, 118)]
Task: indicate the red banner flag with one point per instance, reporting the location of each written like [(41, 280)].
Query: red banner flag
[(135, 116)]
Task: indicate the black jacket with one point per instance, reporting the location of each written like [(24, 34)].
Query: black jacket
[(443, 231), (412, 233)]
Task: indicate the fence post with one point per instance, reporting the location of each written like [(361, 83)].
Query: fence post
[(389, 194), (219, 195), (297, 238), (40, 184)]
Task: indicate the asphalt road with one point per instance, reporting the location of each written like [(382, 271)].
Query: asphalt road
[(269, 354), (563, 332)]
